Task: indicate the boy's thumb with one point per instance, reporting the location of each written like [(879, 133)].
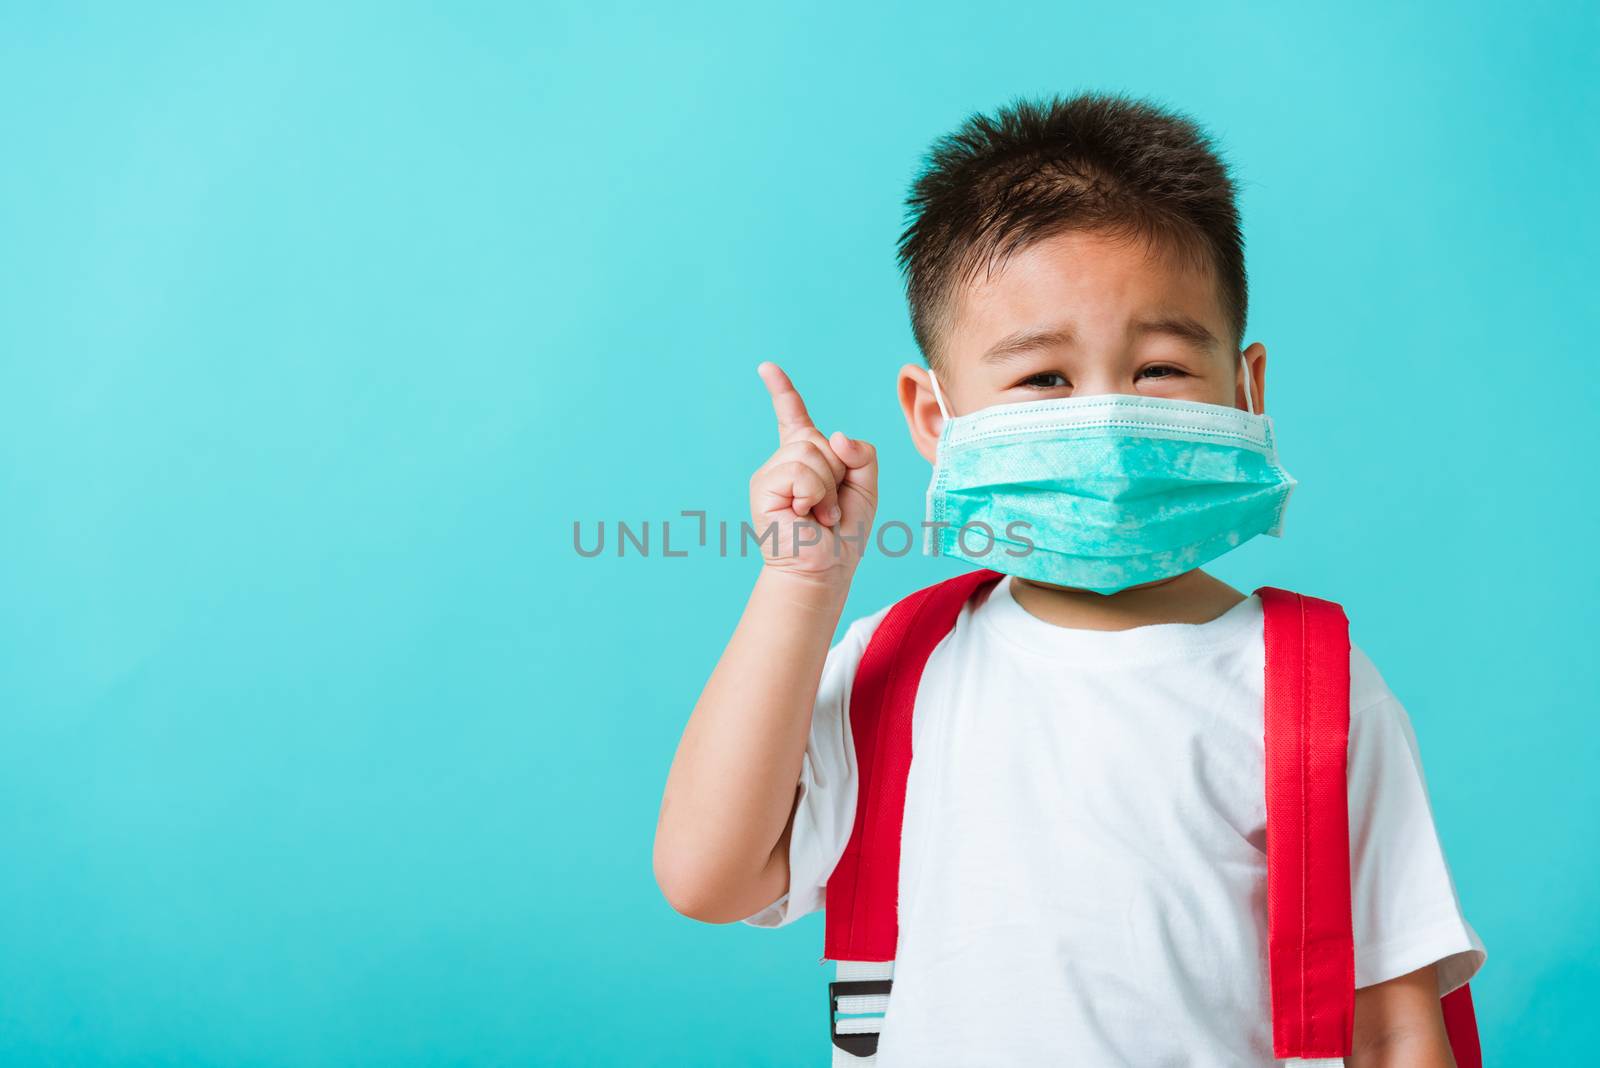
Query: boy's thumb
[(857, 455)]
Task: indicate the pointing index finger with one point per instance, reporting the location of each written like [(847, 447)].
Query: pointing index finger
[(793, 419)]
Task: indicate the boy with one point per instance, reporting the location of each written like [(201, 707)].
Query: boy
[(1082, 874)]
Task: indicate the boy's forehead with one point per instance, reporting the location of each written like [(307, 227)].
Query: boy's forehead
[(1084, 283)]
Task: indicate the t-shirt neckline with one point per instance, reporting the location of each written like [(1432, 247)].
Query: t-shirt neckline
[(1001, 612)]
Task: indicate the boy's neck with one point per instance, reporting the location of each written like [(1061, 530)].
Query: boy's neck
[(1192, 597)]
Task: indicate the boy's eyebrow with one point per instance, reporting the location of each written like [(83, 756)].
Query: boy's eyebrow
[(1181, 327), (1020, 342)]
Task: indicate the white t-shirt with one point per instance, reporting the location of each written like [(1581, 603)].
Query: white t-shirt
[(1083, 874)]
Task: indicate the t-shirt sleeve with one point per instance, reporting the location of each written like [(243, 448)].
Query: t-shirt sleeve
[(826, 809), (1405, 907)]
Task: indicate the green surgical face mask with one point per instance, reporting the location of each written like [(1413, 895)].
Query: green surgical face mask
[(1104, 492)]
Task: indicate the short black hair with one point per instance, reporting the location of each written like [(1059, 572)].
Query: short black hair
[(1092, 161)]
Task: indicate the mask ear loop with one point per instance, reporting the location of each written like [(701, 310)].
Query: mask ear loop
[(937, 396), (1249, 394)]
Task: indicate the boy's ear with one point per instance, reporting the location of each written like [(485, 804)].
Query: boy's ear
[(1255, 359), (921, 410)]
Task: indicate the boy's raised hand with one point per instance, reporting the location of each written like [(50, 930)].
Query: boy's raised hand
[(817, 493)]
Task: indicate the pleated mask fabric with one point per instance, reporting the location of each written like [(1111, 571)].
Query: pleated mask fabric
[(1104, 492)]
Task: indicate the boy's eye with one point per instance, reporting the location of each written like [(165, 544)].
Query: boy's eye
[(1045, 380), (1168, 371)]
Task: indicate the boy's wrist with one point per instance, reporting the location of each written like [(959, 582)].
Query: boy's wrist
[(822, 593)]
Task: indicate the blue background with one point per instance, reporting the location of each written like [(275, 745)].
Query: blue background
[(319, 328)]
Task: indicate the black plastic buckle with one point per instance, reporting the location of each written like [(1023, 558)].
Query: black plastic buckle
[(858, 1045)]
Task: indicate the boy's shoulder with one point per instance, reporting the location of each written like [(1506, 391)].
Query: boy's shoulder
[(1370, 694), (860, 630)]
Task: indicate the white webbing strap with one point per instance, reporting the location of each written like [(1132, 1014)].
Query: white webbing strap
[(870, 1008), (1313, 1062)]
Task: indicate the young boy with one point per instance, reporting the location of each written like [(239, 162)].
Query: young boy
[(1082, 871)]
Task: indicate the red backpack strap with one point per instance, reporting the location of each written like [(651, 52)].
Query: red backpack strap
[(1311, 944), (1461, 1025), (861, 909), (1311, 947)]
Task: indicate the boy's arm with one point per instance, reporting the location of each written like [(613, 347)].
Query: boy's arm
[(721, 837), (1405, 909), (1399, 1024)]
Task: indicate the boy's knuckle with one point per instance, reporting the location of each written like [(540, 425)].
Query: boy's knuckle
[(804, 475)]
